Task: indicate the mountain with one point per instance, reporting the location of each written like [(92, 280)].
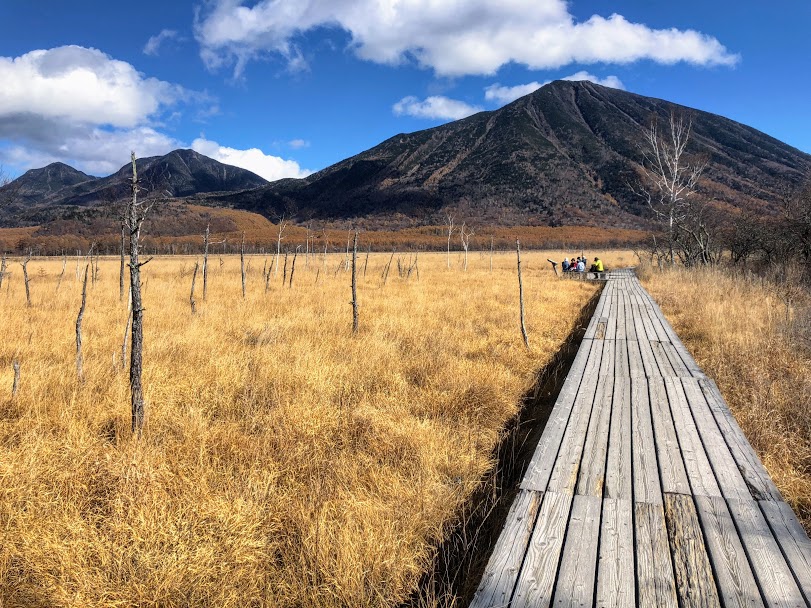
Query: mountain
[(38, 184), (564, 154), (179, 174)]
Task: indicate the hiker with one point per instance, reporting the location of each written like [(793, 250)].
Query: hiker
[(597, 266), (581, 265), (565, 265)]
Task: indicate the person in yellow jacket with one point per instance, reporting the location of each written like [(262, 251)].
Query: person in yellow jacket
[(597, 266)]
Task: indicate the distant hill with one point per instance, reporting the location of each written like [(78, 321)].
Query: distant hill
[(561, 155), (179, 174)]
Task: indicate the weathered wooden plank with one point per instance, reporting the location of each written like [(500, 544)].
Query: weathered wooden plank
[(621, 363), (792, 540), (647, 487), (696, 463), (730, 481), (543, 459), (630, 322), (636, 367), (754, 474), (537, 577), (616, 586), (578, 566), (619, 466), (619, 311), (501, 574), (607, 361), (665, 368), (611, 327), (654, 569), (736, 583), (567, 464), (592, 465), (695, 585), (674, 477), (679, 368), (773, 574)]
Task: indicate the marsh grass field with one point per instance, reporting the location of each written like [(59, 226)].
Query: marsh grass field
[(284, 461)]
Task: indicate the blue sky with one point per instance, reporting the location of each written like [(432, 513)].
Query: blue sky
[(284, 87)]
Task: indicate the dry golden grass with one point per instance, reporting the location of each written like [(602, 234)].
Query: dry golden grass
[(736, 328), (284, 462)]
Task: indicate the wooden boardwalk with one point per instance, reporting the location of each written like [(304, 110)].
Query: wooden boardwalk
[(643, 491)]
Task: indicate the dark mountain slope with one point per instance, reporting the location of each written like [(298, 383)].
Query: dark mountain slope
[(562, 155)]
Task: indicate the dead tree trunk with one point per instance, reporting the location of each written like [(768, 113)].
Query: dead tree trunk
[(284, 276), (366, 262), (61, 274), (121, 262), (355, 285), (192, 302), (126, 332), (293, 267), (135, 217), (24, 264), (386, 269), (242, 263), (3, 266), (15, 387), (205, 260), (521, 295), (79, 360)]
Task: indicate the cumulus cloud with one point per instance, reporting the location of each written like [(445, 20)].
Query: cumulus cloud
[(452, 38), (434, 107), (253, 159), (81, 106), (152, 46), (504, 95), (84, 85)]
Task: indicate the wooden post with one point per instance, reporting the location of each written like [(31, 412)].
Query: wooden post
[(242, 263), (134, 221), (79, 360), (24, 264), (16, 384), (554, 266), (521, 295), (193, 279), (491, 254), (355, 285)]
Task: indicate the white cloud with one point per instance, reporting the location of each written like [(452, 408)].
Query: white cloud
[(434, 107), (152, 46), (80, 106), (454, 38), (253, 159), (84, 85), (298, 144), (504, 95)]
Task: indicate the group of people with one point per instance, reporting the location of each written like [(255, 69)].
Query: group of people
[(578, 264)]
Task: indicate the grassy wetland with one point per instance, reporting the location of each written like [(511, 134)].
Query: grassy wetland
[(284, 461)]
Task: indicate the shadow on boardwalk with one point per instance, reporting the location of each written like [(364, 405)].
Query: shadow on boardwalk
[(462, 558)]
